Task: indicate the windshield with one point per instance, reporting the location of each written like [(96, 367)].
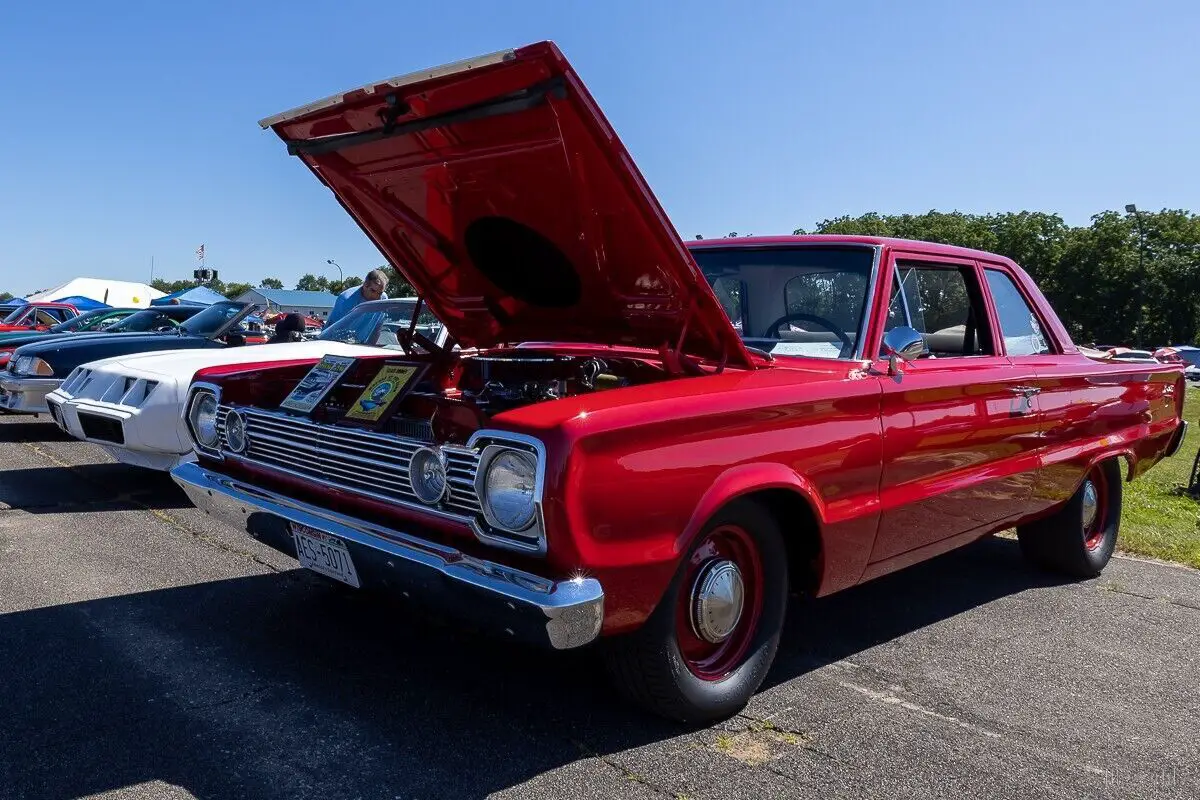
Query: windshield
[(82, 322), (143, 322), (806, 301), (16, 315), (212, 319), (377, 325)]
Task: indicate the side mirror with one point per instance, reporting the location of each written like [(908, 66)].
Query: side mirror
[(902, 344)]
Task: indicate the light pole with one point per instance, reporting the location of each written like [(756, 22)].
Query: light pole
[(1131, 208), (339, 268)]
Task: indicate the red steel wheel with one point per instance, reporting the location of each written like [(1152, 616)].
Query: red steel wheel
[(717, 615), (708, 644), (1094, 508), (1078, 538)]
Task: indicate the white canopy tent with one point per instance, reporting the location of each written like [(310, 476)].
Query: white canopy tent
[(119, 294)]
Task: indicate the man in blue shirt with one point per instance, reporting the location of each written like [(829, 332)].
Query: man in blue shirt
[(370, 289)]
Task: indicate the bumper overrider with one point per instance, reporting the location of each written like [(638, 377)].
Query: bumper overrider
[(25, 395), (560, 614)]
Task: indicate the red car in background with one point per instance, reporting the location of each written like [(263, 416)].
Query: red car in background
[(38, 316)]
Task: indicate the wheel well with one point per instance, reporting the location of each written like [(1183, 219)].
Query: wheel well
[(1126, 464), (801, 535)]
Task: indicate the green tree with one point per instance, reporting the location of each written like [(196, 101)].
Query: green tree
[(270, 283), (313, 283), (236, 290), (337, 287), (398, 285), (1122, 279), (5, 297)]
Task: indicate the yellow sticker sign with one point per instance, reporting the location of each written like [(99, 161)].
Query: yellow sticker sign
[(379, 394)]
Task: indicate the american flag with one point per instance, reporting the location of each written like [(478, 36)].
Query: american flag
[(200, 252)]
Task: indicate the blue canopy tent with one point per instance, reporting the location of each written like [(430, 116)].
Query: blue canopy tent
[(14, 302), (84, 303), (195, 295)]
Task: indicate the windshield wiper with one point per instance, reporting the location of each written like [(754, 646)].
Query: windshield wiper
[(758, 352)]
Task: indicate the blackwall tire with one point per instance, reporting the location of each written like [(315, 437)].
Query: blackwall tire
[(668, 666), (1078, 540)]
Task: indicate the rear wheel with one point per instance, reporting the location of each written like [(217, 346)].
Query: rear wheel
[(707, 647), (1079, 539)]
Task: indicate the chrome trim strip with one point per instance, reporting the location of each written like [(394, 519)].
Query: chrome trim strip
[(573, 610)]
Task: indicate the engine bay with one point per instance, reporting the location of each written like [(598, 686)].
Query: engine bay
[(496, 383), (459, 393)]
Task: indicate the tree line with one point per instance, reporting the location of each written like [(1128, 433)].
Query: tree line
[(1128, 278)]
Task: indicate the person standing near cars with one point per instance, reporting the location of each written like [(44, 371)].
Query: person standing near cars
[(373, 288)]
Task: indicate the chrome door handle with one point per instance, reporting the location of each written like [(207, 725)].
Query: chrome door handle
[(1025, 391)]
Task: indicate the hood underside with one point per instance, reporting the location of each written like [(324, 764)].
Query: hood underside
[(497, 187)]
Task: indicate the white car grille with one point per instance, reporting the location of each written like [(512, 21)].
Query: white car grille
[(364, 462)]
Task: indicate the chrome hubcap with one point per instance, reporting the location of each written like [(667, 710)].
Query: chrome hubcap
[(717, 601), (1091, 504)]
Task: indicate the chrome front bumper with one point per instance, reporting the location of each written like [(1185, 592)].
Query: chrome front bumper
[(560, 614), (22, 395)]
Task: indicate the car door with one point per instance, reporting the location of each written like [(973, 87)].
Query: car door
[(954, 460), (1079, 399)]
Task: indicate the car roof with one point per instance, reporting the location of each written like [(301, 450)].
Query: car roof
[(932, 248)]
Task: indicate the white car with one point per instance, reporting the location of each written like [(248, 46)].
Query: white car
[(132, 405)]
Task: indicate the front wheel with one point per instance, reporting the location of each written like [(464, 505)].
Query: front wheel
[(708, 645), (1079, 539)]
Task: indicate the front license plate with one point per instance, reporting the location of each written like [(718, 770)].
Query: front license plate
[(324, 553)]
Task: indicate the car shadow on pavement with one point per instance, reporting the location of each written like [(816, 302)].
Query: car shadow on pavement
[(281, 686), (88, 487), (835, 628), (31, 431)]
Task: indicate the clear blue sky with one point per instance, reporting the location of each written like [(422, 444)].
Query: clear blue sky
[(129, 129)]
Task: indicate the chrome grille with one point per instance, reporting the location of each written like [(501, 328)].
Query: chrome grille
[(359, 461)]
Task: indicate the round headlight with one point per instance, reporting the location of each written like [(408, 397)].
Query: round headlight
[(427, 475), (235, 431), (508, 490), (203, 419)]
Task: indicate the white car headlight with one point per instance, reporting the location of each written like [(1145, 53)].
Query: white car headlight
[(235, 431), (508, 490), (32, 365), (427, 475), (202, 419)]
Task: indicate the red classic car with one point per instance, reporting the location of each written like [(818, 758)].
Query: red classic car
[(650, 443), (38, 316)]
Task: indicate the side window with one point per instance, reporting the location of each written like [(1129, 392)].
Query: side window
[(1023, 335), (945, 305)]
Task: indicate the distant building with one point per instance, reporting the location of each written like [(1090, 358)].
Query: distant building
[(292, 301)]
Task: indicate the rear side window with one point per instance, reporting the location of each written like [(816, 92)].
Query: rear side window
[(1023, 335)]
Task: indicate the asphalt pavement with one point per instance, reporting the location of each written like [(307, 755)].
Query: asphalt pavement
[(147, 651)]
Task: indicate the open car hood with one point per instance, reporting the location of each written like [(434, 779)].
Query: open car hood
[(500, 191)]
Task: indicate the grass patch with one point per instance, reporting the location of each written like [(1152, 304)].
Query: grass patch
[(1157, 518)]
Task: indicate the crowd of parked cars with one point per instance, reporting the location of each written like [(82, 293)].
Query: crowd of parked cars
[(587, 432)]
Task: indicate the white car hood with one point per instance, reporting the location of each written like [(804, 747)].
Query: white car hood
[(183, 364)]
